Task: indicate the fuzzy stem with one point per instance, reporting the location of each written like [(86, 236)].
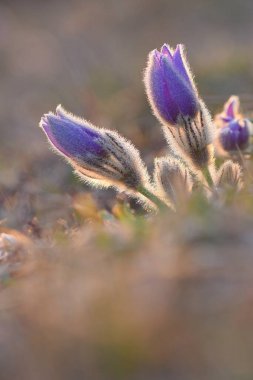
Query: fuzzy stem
[(152, 197), (242, 161), (207, 175)]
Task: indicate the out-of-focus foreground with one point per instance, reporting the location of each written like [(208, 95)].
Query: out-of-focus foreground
[(91, 288)]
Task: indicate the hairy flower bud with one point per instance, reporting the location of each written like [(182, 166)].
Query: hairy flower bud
[(172, 179), (229, 175), (175, 102), (193, 138), (99, 156)]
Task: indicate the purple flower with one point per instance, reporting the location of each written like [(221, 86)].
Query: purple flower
[(235, 135), (175, 102), (169, 85), (72, 137), (234, 129), (99, 156)]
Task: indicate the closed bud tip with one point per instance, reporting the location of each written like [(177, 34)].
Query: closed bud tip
[(172, 180), (229, 175)]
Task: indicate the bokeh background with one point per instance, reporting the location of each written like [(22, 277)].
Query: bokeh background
[(102, 294), (90, 56)]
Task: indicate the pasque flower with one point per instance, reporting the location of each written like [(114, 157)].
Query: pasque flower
[(234, 129), (229, 175), (172, 179), (175, 102), (235, 135), (99, 156)]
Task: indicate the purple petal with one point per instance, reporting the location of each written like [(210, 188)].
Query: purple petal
[(243, 139), (227, 139), (161, 97), (225, 119), (156, 58), (182, 94), (166, 50), (70, 138), (234, 136), (231, 108), (181, 65), (73, 121)]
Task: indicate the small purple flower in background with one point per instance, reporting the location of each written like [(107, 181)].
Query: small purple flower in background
[(234, 129), (175, 102), (99, 156), (234, 136)]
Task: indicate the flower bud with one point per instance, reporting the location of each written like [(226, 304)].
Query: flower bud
[(172, 180), (175, 102), (229, 175), (169, 85), (99, 156)]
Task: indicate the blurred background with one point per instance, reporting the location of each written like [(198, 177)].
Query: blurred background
[(89, 56)]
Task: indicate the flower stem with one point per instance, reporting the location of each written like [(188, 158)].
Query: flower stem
[(152, 197), (207, 174)]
